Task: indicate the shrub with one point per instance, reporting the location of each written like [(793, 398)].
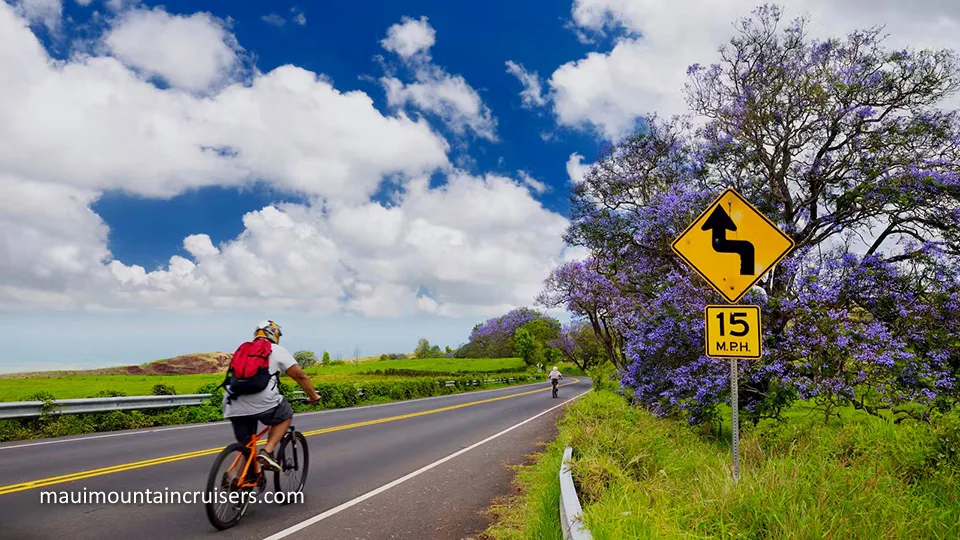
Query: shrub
[(161, 389), (110, 393), (326, 357)]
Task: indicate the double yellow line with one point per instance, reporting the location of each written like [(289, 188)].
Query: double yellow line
[(23, 486)]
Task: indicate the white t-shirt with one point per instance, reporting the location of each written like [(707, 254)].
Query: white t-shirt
[(280, 361), (554, 374)]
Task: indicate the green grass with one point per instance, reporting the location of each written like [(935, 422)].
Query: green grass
[(81, 386), (643, 477), (863, 478), (424, 364), (533, 513)]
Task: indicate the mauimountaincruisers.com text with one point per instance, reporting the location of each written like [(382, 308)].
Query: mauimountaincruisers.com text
[(166, 496)]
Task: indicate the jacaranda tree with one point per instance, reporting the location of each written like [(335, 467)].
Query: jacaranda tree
[(848, 147), (494, 338)]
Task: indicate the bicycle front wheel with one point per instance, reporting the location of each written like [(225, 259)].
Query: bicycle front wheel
[(294, 458), (225, 502)]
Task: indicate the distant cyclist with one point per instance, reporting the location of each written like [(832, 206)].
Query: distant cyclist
[(252, 389), (555, 377)]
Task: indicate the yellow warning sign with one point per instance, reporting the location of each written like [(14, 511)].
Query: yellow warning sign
[(733, 332), (732, 245)]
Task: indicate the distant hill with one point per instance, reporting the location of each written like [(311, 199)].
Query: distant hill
[(190, 364)]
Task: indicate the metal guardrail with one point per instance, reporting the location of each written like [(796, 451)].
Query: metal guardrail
[(570, 509), (24, 409), (28, 409)]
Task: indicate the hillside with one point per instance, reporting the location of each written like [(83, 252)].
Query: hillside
[(190, 364)]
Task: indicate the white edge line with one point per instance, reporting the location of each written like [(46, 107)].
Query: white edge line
[(336, 510), (222, 422)]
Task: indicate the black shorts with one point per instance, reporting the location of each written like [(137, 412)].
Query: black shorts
[(245, 427)]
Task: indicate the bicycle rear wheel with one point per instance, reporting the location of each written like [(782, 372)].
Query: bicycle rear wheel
[(226, 503), (294, 458)]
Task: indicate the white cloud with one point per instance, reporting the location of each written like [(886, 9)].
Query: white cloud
[(300, 19), (576, 168), (532, 93), (274, 19), (475, 244), (646, 69), (533, 183), (410, 37), (46, 12), (84, 2), (435, 91), (70, 130), (447, 96), (193, 52), (93, 124)]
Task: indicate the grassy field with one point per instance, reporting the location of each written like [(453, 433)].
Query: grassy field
[(79, 386), (423, 364), (643, 477)]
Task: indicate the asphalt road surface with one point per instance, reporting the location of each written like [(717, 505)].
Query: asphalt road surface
[(422, 469)]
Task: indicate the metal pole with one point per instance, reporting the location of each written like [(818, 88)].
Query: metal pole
[(734, 404)]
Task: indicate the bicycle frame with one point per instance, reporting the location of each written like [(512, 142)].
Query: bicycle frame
[(252, 447)]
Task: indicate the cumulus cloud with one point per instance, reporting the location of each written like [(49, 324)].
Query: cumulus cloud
[(410, 37), (470, 247), (576, 168), (448, 97), (71, 130), (532, 93), (531, 182), (655, 42), (45, 12), (194, 52), (288, 127)]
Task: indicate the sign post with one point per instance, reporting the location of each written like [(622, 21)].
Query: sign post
[(732, 265)]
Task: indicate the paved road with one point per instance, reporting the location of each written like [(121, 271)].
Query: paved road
[(352, 489)]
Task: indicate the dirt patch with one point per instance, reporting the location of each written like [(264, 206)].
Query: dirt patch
[(190, 364)]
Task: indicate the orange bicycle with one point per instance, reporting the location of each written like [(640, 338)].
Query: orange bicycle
[(244, 480)]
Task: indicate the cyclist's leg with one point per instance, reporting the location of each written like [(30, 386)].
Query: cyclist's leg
[(244, 427), (279, 419)]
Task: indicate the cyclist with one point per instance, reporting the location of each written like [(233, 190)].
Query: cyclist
[(555, 377), (267, 406)]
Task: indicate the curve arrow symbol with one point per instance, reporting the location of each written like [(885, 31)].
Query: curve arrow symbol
[(719, 222)]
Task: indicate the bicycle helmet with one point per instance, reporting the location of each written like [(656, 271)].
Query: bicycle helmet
[(268, 330)]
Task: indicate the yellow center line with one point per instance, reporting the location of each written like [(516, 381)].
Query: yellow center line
[(13, 488)]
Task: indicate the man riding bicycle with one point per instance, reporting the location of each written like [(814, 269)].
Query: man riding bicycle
[(555, 377), (245, 408)]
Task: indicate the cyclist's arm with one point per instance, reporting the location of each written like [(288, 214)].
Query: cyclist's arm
[(296, 373)]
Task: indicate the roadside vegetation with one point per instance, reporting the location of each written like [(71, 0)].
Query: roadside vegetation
[(639, 476)]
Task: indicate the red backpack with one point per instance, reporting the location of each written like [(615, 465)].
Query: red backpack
[(249, 370)]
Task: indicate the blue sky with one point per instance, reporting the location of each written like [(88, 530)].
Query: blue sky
[(365, 173)]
